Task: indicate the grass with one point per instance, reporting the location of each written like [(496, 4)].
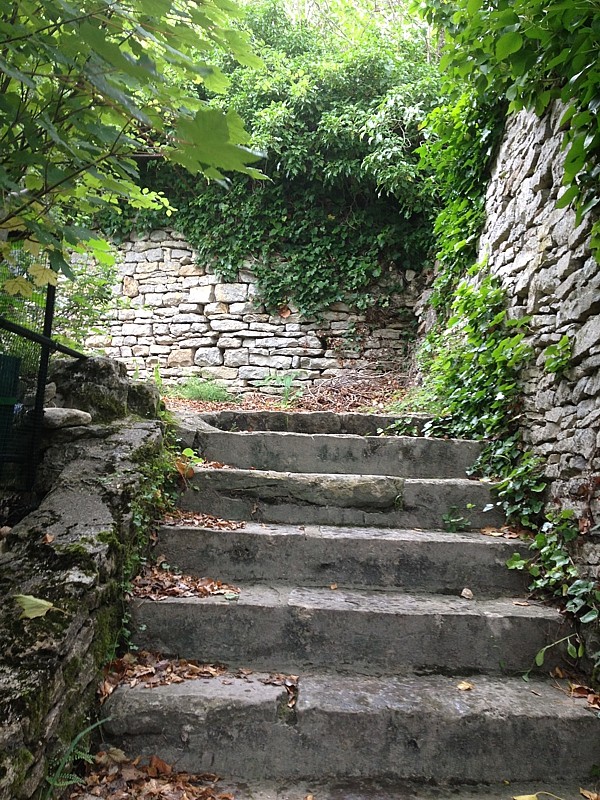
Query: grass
[(197, 389)]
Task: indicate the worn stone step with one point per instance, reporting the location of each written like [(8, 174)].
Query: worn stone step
[(374, 789), (362, 500), (352, 423), (290, 629), (432, 561), (403, 456), (400, 728)]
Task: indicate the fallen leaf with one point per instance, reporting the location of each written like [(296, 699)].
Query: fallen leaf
[(284, 312), (34, 606), (525, 797), (557, 672), (156, 583), (467, 594), (333, 586), (589, 795), (160, 766), (520, 603), (48, 538), (309, 797), (465, 686)]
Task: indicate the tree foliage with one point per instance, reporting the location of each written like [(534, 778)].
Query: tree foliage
[(89, 89), (337, 113), (531, 53)]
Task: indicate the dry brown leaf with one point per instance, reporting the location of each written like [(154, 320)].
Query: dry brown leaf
[(520, 603), (467, 594), (309, 797), (199, 520), (465, 686), (333, 586), (589, 795), (284, 312), (558, 672), (155, 583), (48, 538), (525, 797)]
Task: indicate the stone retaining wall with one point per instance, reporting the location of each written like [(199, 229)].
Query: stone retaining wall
[(179, 316), (72, 551), (543, 259)]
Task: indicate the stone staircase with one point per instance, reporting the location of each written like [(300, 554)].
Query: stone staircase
[(349, 580)]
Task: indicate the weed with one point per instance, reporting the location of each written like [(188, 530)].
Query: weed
[(197, 389), (285, 381), (61, 778)]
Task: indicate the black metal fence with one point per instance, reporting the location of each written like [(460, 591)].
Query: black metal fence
[(25, 347)]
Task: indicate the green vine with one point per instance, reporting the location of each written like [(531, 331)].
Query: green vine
[(532, 53), (337, 116)]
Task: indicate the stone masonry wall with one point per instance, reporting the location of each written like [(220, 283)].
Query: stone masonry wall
[(543, 259), (178, 315)]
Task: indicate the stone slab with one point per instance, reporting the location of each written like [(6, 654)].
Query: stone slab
[(289, 628), (404, 456), (396, 728), (309, 421), (320, 499), (370, 789), (433, 561)]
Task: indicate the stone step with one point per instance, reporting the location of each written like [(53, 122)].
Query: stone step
[(361, 500), (403, 456), (401, 728), (432, 561), (321, 422), (291, 629)]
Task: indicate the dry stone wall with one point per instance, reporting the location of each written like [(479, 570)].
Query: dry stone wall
[(543, 259), (178, 315)]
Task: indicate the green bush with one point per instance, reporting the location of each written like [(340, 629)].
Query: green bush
[(338, 118)]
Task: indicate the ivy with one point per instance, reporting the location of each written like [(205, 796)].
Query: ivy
[(532, 53), (338, 118), (460, 143)]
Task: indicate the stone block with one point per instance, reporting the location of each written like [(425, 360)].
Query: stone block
[(133, 329), (201, 294), (130, 287), (231, 292), (186, 270), (154, 254), (240, 308), (219, 373), (181, 358), (227, 325), (216, 309), (276, 362), (226, 342), (235, 358), (253, 373), (588, 336), (208, 357)]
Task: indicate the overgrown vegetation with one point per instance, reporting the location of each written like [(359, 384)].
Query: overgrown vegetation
[(86, 91), (337, 113), (497, 58), (531, 53)]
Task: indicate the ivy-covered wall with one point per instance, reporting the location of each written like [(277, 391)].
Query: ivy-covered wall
[(543, 260)]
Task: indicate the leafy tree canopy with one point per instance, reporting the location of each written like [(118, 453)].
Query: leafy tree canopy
[(337, 113), (88, 89)]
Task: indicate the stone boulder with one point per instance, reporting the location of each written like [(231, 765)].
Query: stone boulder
[(96, 385)]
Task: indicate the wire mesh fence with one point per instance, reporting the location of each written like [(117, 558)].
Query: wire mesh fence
[(20, 361)]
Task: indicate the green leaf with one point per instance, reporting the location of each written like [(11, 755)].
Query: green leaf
[(539, 657), (34, 606), (590, 616), (508, 44)]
